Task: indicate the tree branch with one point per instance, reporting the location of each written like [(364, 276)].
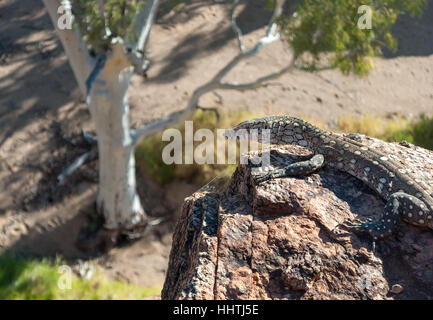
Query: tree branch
[(271, 36), (88, 156), (143, 23), (73, 43), (278, 10), (235, 26), (101, 7), (258, 82)]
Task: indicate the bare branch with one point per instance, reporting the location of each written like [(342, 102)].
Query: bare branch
[(259, 82), (88, 156), (90, 138), (144, 21), (271, 36), (235, 26), (278, 10), (101, 7), (72, 42)]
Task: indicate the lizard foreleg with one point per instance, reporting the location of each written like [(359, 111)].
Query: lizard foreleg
[(301, 168)]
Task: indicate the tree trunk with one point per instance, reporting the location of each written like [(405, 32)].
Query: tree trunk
[(107, 98), (117, 199)]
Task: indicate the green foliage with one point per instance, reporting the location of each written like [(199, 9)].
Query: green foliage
[(149, 153), (319, 27), (418, 131), (318, 30), (270, 4), (119, 17), (372, 126), (24, 279)]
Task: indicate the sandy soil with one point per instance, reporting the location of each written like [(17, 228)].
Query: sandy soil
[(42, 114)]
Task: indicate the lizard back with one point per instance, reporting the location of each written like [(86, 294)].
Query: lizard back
[(376, 169)]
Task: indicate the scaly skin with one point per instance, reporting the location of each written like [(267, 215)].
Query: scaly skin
[(408, 198)]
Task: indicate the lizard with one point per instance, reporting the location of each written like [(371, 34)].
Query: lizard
[(407, 198)]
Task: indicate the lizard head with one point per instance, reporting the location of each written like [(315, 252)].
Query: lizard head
[(281, 129)]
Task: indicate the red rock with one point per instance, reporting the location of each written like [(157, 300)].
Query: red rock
[(278, 240)]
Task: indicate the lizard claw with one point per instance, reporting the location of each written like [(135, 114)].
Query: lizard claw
[(356, 224), (261, 178), (348, 225), (405, 143), (362, 224), (355, 136)]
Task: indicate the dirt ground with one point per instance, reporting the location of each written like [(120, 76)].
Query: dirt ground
[(42, 114)]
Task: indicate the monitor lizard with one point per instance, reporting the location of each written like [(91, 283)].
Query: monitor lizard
[(407, 198)]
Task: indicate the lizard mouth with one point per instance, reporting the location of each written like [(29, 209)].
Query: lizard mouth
[(248, 130)]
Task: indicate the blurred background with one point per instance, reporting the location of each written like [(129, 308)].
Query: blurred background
[(42, 114)]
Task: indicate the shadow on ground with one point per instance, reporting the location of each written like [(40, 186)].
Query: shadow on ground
[(29, 58), (251, 17), (414, 34)]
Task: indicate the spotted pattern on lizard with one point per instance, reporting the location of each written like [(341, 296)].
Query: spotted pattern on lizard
[(407, 197)]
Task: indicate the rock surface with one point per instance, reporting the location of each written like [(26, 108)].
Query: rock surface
[(280, 240)]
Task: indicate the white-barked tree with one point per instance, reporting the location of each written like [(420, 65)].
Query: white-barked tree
[(106, 44)]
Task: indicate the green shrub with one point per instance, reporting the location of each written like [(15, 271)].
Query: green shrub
[(27, 279), (418, 131), (149, 153), (119, 18), (372, 126)]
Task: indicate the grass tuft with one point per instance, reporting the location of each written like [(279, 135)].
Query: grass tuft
[(418, 131), (371, 126), (149, 153), (28, 279)]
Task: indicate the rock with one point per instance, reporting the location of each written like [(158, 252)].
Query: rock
[(280, 240)]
